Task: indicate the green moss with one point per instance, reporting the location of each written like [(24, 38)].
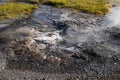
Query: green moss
[(91, 6), (12, 10)]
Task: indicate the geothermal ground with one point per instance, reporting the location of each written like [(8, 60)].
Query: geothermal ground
[(57, 44)]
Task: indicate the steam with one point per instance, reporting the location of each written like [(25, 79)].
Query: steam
[(92, 33), (113, 17)]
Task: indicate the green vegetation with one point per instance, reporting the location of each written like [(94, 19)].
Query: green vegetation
[(27, 1), (91, 6), (12, 10), (32, 1)]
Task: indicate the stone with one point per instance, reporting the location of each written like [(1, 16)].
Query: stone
[(49, 37)]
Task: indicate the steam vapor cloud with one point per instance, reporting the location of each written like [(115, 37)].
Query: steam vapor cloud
[(113, 17)]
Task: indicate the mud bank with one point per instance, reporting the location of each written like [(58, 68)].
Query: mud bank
[(56, 44)]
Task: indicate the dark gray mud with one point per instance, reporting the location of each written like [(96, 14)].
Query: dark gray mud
[(55, 44)]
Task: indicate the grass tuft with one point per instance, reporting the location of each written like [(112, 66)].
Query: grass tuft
[(91, 6), (12, 10)]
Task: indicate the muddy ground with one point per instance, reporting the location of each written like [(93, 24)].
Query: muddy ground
[(56, 44)]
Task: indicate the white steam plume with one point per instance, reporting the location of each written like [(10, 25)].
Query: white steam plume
[(113, 17)]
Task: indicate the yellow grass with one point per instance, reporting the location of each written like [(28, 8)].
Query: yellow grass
[(12, 10), (91, 6)]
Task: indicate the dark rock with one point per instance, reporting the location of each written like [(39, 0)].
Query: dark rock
[(90, 52)]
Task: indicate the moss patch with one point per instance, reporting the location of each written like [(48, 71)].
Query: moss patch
[(91, 6), (12, 10)]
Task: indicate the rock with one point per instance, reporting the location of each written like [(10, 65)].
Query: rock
[(2, 63), (41, 46), (3, 25), (48, 37), (79, 44), (54, 59), (44, 79), (71, 49)]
